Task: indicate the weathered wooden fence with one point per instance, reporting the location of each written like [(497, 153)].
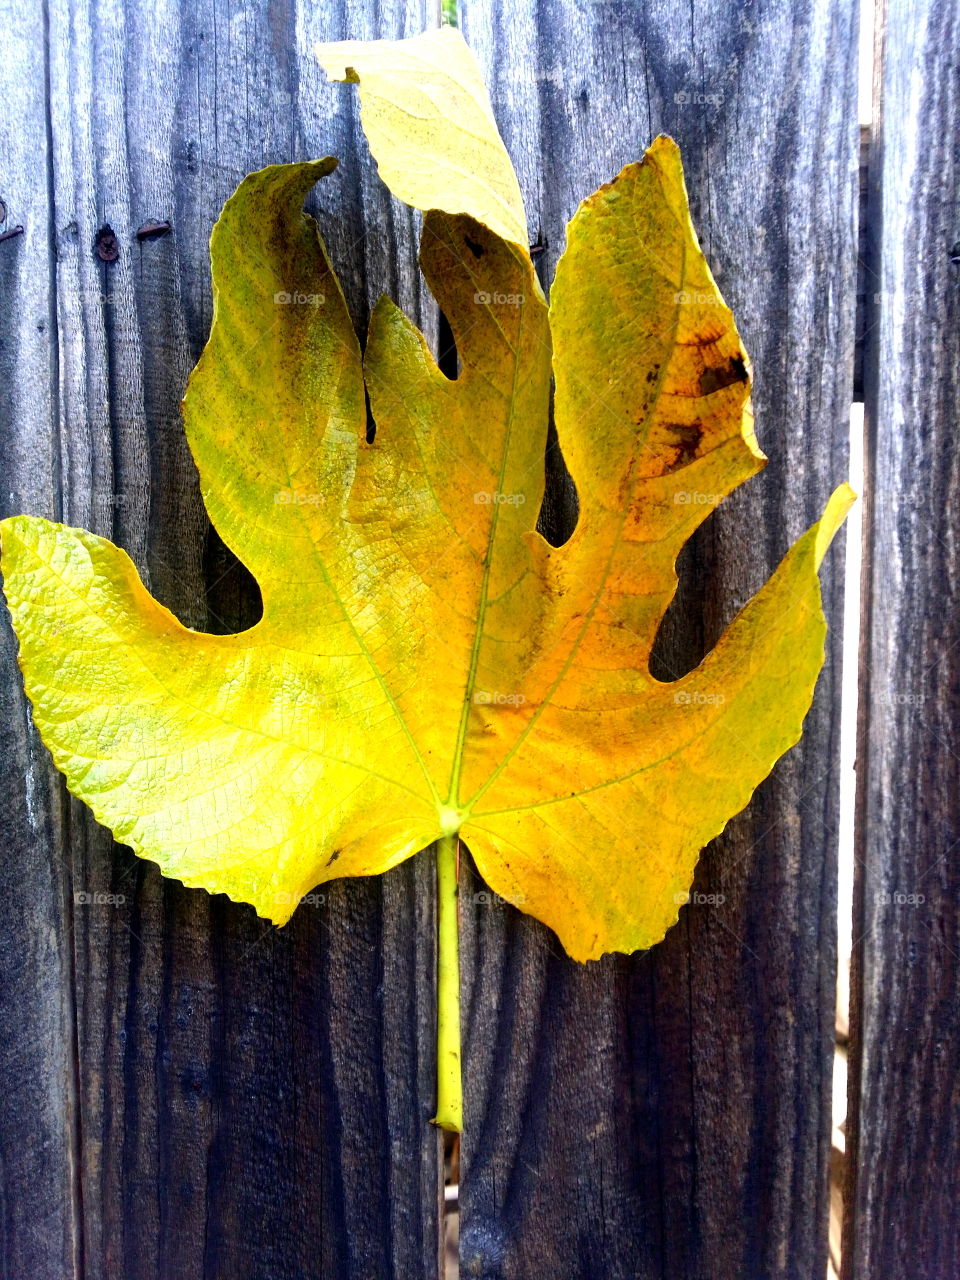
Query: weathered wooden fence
[(903, 1203), (187, 1092)]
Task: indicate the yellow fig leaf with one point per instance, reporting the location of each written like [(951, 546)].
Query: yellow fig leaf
[(427, 116), (426, 663)]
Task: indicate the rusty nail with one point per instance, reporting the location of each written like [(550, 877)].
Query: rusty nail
[(152, 230), (105, 244)]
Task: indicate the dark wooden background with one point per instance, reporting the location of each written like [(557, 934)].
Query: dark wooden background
[(186, 1092), (903, 1201)]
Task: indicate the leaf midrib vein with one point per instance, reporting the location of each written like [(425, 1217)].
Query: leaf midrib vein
[(457, 766), (598, 595)]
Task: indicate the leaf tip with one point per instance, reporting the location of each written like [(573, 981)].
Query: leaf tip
[(834, 514), (328, 54), (664, 145)]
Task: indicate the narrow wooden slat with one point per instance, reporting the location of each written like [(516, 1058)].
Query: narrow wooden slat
[(252, 1102), (39, 1222), (904, 1108), (668, 1115)]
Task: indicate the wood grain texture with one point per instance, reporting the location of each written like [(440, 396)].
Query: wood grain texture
[(250, 1103), (38, 1115), (667, 1115), (904, 1107)]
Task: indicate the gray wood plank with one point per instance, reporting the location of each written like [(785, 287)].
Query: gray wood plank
[(39, 1223), (252, 1102), (667, 1115), (903, 1134)]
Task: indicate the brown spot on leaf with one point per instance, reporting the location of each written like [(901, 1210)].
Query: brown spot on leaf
[(475, 249), (715, 379), (686, 443)]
